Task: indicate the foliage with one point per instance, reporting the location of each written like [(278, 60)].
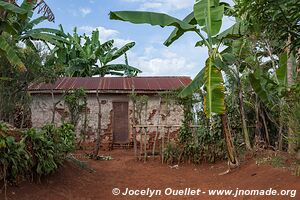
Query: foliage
[(17, 26), (15, 161), (207, 20), (275, 161), (292, 114), (140, 103), (297, 171), (86, 56), (35, 151), (275, 20), (203, 143), (76, 101), (171, 153), (13, 90), (21, 59)]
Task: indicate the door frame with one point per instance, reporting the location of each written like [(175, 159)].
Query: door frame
[(113, 121)]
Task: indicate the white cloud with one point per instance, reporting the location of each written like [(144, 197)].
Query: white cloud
[(153, 59), (163, 5), (121, 42), (85, 11), (161, 62), (105, 34)]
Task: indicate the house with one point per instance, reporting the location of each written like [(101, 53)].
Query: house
[(117, 123)]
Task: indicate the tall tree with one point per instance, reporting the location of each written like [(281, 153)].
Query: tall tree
[(276, 24)]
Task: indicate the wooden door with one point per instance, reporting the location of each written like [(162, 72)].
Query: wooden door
[(120, 122)]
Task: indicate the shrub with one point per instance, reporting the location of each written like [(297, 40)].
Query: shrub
[(171, 153), (35, 151), (205, 143), (15, 161)]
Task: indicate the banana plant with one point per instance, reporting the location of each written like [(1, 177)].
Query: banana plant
[(206, 19), (85, 56), (17, 26)]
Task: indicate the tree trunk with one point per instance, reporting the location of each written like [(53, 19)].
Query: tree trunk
[(265, 127), (134, 130), (145, 144), (54, 105), (290, 60), (232, 157), (243, 118), (85, 122), (146, 132), (156, 134), (280, 126), (98, 139), (290, 81), (162, 145), (257, 124), (280, 136)]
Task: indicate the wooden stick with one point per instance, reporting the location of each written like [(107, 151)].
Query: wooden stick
[(98, 139), (156, 134), (134, 130), (162, 145), (141, 143), (145, 144)]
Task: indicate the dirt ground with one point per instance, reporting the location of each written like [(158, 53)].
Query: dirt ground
[(74, 183)]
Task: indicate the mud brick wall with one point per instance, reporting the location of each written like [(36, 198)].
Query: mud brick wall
[(42, 109)]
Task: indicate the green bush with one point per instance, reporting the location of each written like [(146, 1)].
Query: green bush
[(15, 161), (35, 151), (171, 153), (202, 144)]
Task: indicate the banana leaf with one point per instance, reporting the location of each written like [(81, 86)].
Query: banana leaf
[(209, 15), (214, 86), (177, 32), (11, 54), (12, 8), (143, 17), (123, 50), (196, 84)]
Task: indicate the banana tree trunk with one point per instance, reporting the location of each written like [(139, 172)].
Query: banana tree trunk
[(290, 81), (267, 137), (280, 135), (243, 118), (232, 156)]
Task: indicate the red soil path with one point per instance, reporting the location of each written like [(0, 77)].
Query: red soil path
[(74, 183)]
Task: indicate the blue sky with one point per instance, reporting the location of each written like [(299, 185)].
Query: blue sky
[(149, 54)]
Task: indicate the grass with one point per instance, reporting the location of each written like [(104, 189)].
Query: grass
[(274, 161)]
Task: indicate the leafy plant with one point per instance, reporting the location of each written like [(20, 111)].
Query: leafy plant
[(76, 101), (86, 56), (15, 161), (171, 153), (18, 26), (34, 152)]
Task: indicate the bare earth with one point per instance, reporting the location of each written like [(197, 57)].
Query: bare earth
[(74, 183)]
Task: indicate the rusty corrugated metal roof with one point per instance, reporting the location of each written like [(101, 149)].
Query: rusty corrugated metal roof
[(155, 83)]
